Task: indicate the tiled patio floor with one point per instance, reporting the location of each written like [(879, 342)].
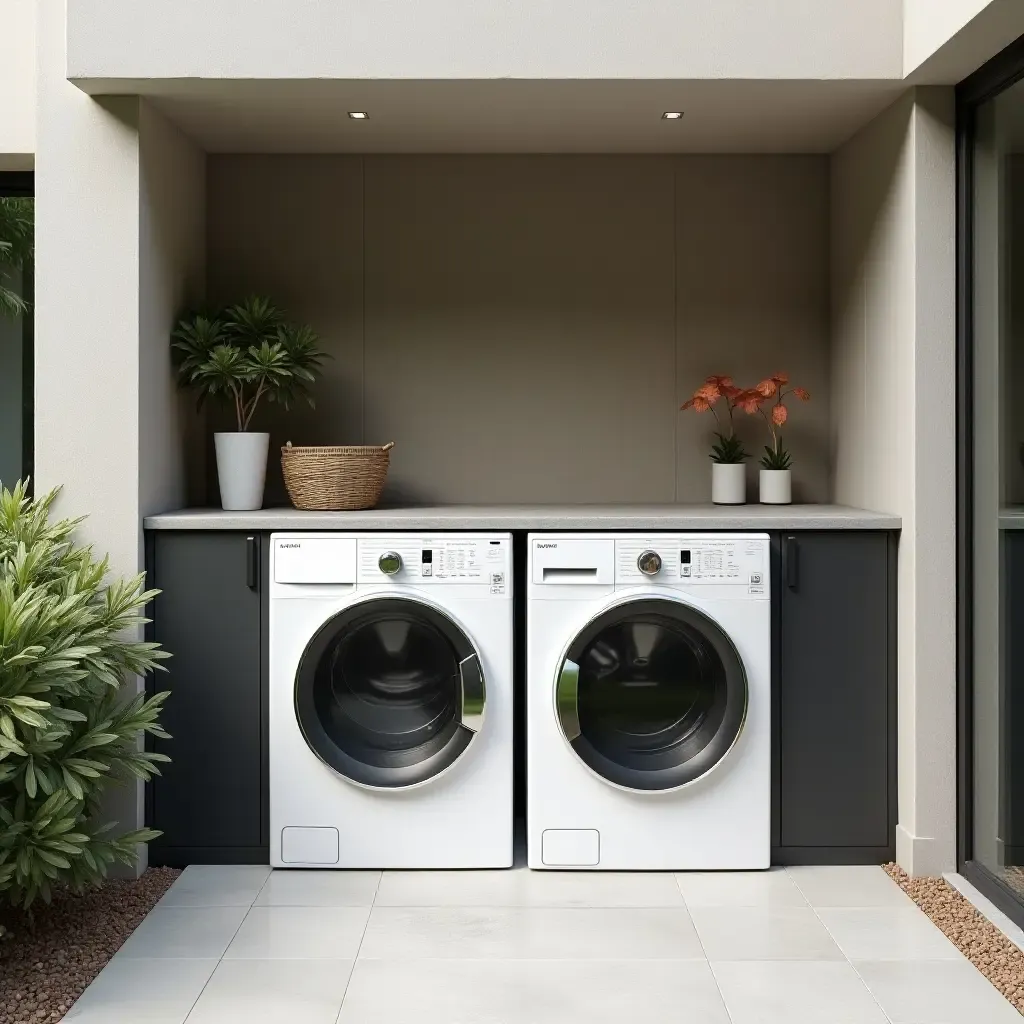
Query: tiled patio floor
[(816, 945)]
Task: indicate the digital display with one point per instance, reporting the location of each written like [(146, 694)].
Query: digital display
[(427, 556), (684, 557)]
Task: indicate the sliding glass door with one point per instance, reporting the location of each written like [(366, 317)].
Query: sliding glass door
[(991, 599), (17, 235)]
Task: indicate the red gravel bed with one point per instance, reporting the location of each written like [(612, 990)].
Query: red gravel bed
[(971, 932), (45, 969)]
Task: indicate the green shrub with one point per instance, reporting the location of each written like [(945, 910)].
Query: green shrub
[(67, 726)]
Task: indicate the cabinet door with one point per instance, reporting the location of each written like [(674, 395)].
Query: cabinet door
[(836, 713), (208, 802)]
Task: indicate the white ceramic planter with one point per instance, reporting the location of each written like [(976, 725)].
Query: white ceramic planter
[(241, 469), (728, 483), (776, 486)]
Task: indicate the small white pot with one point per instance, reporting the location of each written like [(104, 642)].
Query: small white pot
[(728, 483), (241, 469), (776, 487)]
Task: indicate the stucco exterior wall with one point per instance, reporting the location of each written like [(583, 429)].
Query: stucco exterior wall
[(945, 40), (17, 84), (893, 393), (119, 244), (471, 39)]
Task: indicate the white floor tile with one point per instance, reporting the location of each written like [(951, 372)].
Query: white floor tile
[(772, 888), (795, 992), (299, 933), (935, 992), (216, 885), (189, 932), (523, 888), (887, 933), (131, 991), (763, 933), (848, 886), (319, 889), (500, 933), (272, 991), (532, 992)]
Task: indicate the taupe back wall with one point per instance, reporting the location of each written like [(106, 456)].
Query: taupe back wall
[(525, 327)]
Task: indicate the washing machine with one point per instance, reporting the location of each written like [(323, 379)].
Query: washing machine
[(649, 701), (390, 700)]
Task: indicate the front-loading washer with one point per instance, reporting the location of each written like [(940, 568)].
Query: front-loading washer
[(649, 701), (391, 703)]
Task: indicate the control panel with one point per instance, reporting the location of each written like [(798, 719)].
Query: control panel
[(693, 558), (436, 559)]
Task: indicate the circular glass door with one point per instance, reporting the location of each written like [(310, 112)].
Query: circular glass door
[(389, 693), (651, 695)]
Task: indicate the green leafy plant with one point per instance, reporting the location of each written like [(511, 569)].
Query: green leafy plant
[(17, 240), (776, 458), (729, 448), (67, 727), (245, 353)]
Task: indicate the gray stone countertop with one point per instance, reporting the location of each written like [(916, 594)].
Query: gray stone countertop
[(537, 517)]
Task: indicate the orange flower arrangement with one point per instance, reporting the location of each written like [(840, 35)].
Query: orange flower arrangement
[(729, 448), (772, 391)]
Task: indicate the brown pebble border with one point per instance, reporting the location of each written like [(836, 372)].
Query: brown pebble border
[(973, 934), (44, 969)]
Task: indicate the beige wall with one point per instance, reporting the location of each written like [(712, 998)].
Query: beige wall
[(525, 328), (117, 243), (433, 39), (172, 275), (17, 84), (893, 289), (945, 40)]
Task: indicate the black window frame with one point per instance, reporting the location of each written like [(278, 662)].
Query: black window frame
[(22, 184), (998, 74)]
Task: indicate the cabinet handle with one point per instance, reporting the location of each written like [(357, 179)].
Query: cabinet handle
[(792, 563), (252, 554)]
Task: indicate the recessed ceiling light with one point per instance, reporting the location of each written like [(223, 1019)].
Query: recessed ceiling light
[(672, 115), (359, 115)]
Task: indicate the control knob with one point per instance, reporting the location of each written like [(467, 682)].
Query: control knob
[(389, 563), (649, 563)]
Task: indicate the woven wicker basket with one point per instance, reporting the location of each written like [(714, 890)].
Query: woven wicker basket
[(335, 479)]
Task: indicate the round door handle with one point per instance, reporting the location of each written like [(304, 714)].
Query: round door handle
[(649, 563), (389, 563)]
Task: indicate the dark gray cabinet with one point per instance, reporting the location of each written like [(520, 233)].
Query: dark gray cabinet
[(210, 801), (835, 693), (834, 703)]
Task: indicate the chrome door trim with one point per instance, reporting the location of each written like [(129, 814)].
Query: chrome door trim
[(473, 693), (567, 692)]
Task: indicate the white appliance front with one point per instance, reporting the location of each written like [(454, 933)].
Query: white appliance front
[(649, 701), (391, 703)]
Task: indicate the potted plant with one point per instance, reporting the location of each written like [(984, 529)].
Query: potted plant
[(728, 472), (776, 486), (243, 354)]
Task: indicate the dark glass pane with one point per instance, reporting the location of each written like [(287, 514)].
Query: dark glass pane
[(653, 695), (997, 488), (16, 277), (648, 687), (386, 690)]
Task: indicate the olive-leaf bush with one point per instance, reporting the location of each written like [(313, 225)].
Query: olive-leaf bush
[(67, 725)]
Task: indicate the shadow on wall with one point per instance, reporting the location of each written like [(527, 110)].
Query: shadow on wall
[(525, 328)]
